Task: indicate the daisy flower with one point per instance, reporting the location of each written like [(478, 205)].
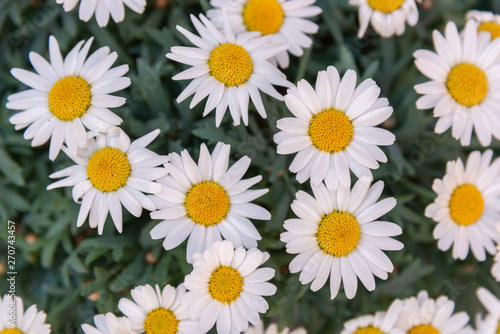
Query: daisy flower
[(284, 20), (387, 17), (487, 21), (207, 201), (229, 69), (273, 329), (333, 128), (156, 311), (464, 79), (111, 172), (103, 9), (25, 322), (466, 208), (108, 324), (380, 323), (336, 235), (226, 287), (67, 96), (491, 323), (422, 314)]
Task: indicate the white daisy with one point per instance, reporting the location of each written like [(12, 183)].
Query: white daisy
[(273, 329), (284, 20), (334, 130), (466, 208), (207, 201), (108, 324), (423, 315), (336, 236), (103, 9), (491, 323), (464, 77), (229, 69), (380, 323), (68, 96), (14, 320), (110, 172), (487, 21), (156, 311), (387, 17), (226, 287)]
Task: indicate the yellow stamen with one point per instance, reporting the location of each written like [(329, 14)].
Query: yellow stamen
[(466, 204), (11, 331), (69, 98), (492, 27), (498, 328), (385, 6), (207, 203), (368, 330), (338, 233), (108, 169), (225, 284), (331, 130), (230, 64), (423, 329), (467, 84), (265, 16), (161, 321)]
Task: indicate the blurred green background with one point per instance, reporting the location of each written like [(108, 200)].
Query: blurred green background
[(72, 273)]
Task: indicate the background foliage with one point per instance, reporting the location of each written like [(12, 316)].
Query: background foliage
[(72, 273)]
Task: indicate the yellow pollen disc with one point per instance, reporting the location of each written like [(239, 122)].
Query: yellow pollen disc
[(423, 329), (225, 284), (385, 6), (368, 330), (467, 84), (338, 233), (11, 331), (69, 98), (265, 16), (108, 169), (498, 328), (331, 130), (466, 204), (161, 321), (207, 203), (492, 27), (230, 64)]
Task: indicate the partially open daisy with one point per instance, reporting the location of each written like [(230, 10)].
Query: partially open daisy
[(282, 19), (111, 172), (103, 9), (337, 235), (67, 96), (226, 287), (229, 69), (273, 329), (491, 323), (487, 21), (466, 208), (380, 323), (156, 311), (108, 324), (207, 201), (25, 322), (387, 17), (334, 128), (464, 79)]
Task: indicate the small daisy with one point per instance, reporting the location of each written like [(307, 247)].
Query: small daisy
[(282, 19), (466, 208), (337, 236), (226, 287), (464, 80), (380, 323), (103, 9), (423, 315), (491, 323), (110, 172), (156, 311), (273, 329), (487, 21), (108, 324), (26, 322), (334, 128), (229, 69), (68, 96), (207, 201), (386, 16)]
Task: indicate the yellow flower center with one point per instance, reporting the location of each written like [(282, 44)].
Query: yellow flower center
[(492, 27), (330, 130), (161, 321), (265, 16), (225, 284), (423, 329), (467, 84), (498, 328), (368, 330), (207, 203), (69, 98), (338, 233), (108, 169), (466, 204), (385, 6), (11, 331), (230, 64)]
